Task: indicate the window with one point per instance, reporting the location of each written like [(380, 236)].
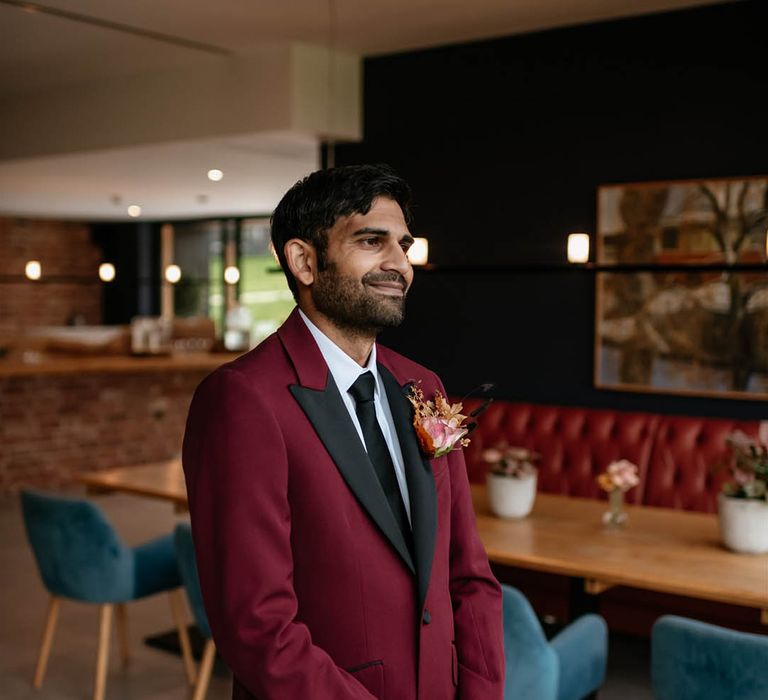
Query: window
[(204, 249)]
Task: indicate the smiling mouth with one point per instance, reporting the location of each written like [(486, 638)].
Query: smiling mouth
[(390, 289)]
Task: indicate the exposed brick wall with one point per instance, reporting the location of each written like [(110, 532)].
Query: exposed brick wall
[(54, 426), (63, 249)]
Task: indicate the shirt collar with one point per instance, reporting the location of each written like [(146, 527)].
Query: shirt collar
[(342, 367)]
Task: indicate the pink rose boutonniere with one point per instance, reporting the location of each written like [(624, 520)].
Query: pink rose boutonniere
[(440, 426)]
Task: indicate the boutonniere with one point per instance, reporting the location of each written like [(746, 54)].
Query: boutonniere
[(439, 425)]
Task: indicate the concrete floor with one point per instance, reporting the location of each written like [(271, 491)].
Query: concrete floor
[(152, 673)]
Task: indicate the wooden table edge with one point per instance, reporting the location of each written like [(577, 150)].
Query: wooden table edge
[(611, 579), (95, 484)]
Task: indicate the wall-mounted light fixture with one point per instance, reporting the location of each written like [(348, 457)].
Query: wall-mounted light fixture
[(106, 272), (231, 275), (33, 270), (418, 253), (134, 211), (578, 247), (214, 175), (172, 274)]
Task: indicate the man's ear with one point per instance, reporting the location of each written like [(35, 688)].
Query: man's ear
[(301, 258)]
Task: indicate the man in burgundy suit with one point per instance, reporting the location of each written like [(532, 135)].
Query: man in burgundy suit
[(336, 560)]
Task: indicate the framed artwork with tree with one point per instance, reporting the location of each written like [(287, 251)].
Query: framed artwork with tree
[(665, 328)]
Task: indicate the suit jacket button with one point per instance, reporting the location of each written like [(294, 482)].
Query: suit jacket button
[(426, 618)]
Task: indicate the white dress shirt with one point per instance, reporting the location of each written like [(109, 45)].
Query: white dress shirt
[(345, 371)]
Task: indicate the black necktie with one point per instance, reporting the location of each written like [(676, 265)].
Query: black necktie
[(378, 452)]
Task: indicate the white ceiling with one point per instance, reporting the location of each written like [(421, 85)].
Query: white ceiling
[(40, 51), (168, 180)]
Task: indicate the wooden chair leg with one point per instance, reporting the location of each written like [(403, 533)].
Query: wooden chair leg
[(45, 646), (102, 657), (206, 666), (121, 620), (177, 610)]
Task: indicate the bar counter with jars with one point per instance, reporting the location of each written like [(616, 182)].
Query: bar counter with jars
[(106, 330), (75, 399)]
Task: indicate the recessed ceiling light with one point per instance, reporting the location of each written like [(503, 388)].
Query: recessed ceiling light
[(134, 210), (215, 175), (106, 272), (33, 270)]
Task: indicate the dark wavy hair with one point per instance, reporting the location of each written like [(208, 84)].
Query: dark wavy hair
[(313, 205)]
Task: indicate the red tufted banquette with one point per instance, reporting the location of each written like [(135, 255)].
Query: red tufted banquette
[(676, 455)]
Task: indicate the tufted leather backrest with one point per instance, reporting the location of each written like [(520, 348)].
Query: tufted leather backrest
[(575, 444), (681, 473)]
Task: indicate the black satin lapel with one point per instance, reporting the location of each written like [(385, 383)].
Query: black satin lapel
[(330, 418), (421, 482)]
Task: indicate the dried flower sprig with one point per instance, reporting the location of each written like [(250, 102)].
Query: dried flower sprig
[(439, 425)]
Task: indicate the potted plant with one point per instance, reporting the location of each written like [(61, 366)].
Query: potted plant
[(511, 480), (743, 503)]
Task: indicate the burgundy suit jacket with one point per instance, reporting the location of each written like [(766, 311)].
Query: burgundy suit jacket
[(309, 587)]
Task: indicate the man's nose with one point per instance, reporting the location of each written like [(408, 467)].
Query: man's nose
[(397, 259)]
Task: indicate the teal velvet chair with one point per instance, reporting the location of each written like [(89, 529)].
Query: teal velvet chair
[(185, 556), (569, 667), (692, 659), (81, 558)]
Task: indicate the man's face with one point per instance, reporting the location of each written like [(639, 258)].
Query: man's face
[(367, 274)]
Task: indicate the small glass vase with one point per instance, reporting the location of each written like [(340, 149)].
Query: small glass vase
[(615, 517)]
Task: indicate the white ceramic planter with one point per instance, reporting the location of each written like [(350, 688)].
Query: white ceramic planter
[(509, 497), (743, 524)]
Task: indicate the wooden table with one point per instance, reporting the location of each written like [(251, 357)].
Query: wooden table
[(660, 549), (164, 480)]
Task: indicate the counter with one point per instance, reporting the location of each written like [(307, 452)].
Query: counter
[(113, 364), (62, 415)]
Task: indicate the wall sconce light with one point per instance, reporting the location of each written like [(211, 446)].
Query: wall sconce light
[(418, 253), (231, 275), (578, 247), (173, 273), (106, 272), (33, 270)]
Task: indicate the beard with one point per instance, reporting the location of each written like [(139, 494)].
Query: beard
[(353, 306)]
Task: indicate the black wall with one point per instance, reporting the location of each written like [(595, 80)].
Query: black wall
[(505, 142)]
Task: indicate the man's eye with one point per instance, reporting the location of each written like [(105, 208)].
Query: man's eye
[(371, 241)]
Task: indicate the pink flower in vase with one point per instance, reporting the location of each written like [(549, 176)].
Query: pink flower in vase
[(623, 474)]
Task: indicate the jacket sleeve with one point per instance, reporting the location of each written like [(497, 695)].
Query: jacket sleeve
[(236, 468), (476, 597)]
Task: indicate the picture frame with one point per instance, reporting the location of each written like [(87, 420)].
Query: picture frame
[(667, 329)]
